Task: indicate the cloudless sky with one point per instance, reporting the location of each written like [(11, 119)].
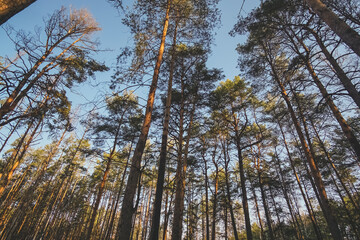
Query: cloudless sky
[(114, 35)]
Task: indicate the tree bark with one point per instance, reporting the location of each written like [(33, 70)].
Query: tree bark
[(216, 187), (128, 210), (206, 196), (8, 8)]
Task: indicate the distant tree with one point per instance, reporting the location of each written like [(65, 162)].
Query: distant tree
[(121, 109)]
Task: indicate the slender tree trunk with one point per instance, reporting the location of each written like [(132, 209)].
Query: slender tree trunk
[(110, 229), (104, 178), (154, 233), (128, 210), (7, 177), (228, 195), (336, 112), (147, 213), (243, 189), (263, 197), (257, 211), (12, 160), (330, 219), (338, 175), (182, 164), (206, 196), (216, 187), (284, 189), (346, 82), (344, 31), (226, 221), (9, 8), (180, 175), (311, 216), (167, 216), (98, 199), (355, 229), (280, 224)]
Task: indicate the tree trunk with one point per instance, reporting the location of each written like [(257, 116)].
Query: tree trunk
[(17, 160), (328, 157), (284, 189), (263, 197), (228, 195), (206, 197), (106, 172), (9, 8), (337, 114), (346, 82), (182, 165), (330, 219), (257, 211), (109, 231), (344, 31), (128, 210), (180, 174), (154, 233), (216, 187), (243, 186)]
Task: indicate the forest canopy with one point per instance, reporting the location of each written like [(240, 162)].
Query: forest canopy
[(159, 143)]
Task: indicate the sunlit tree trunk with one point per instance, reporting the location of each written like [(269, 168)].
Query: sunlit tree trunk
[(9, 8), (154, 233), (110, 229), (18, 158), (104, 178), (128, 210)]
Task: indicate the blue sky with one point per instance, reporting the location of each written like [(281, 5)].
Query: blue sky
[(114, 35)]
